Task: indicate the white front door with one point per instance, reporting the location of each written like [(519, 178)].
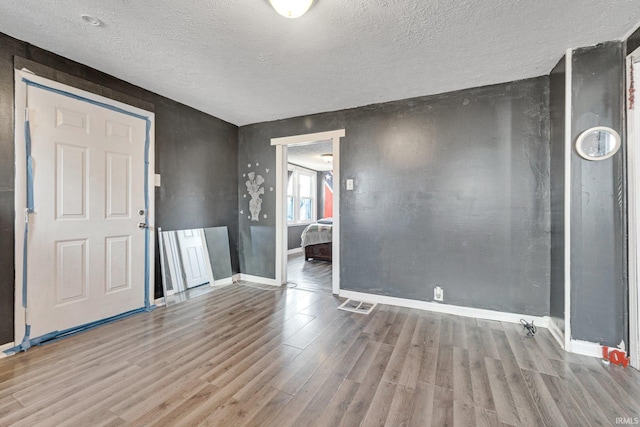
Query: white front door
[(86, 253)]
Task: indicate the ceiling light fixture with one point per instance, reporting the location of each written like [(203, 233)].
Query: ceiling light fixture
[(327, 157), (91, 20), (291, 8)]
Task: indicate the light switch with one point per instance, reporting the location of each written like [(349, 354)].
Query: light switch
[(157, 180), (350, 184)]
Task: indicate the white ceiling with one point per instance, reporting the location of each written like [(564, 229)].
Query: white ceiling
[(242, 62), (310, 155)]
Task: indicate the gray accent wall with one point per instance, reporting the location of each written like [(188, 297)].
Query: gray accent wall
[(294, 233), (217, 239), (598, 201), (557, 118), (320, 194), (196, 154), (451, 190)]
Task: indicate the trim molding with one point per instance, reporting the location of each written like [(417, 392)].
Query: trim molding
[(556, 332), (294, 251), (568, 150), (281, 201), (258, 279), (540, 321), (633, 204), (223, 282), (308, 137), (585, 348)]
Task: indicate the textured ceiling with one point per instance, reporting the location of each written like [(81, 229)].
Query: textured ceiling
[(240, 61), (310, 155)]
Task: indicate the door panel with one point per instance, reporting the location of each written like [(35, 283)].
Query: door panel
[(71, 271), (193, 250), (71, 182), (118, 185), (118, 263), (86, 253)]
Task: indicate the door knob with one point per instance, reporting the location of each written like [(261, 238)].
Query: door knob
[(142, 225)]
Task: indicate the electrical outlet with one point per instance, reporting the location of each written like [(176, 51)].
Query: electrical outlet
[(438, 294)]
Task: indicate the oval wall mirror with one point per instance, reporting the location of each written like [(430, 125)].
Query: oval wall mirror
[(598, 143)]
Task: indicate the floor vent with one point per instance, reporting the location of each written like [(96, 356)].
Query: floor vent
[(357, 306)]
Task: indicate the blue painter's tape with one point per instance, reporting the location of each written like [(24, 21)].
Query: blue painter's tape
[(26, 342), (84, 99), (58, 335), (30, 198), (30, 207)]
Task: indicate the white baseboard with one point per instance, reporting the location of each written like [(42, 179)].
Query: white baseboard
[(159, 302), (223, 282), (4, 347), (294, 251), (556, 332), (258, 279), (586, 348), (479, 313)]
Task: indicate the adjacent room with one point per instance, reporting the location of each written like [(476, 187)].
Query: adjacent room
[(312, 212), (310, 215)]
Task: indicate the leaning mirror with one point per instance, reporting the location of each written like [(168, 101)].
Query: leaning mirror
[(193, 262), (598, 143)]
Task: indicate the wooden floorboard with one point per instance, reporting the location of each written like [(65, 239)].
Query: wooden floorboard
[(245, 356), (313, 275)]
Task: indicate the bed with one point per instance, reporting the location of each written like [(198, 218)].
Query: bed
[(317, 240)]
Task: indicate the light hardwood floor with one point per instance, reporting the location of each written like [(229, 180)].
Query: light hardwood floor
[(246, 356), (312, 275)]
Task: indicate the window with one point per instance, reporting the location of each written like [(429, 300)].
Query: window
[(301, 196)]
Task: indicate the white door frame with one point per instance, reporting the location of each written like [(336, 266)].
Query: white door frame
[(281, 201), (568, 152), (21, 181), (633, 180)]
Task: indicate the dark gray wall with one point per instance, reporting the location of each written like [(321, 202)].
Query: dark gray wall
[(598, 242), (217, 239), (195, 153), (257, 258), (293, 233), (450, 190), (557, 98), (320, 195)]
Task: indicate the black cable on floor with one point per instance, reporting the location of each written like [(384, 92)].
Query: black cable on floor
[(530, 327)]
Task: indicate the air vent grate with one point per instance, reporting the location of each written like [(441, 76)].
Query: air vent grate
[(357, 306)]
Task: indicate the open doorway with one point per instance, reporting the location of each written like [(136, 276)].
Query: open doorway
[(300, 206), (309, 209)]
